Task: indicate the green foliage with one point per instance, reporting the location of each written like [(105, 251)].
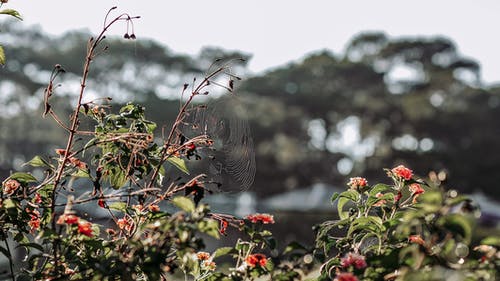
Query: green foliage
[(410, 230)]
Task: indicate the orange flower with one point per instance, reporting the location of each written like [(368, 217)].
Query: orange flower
[(402, 172), (264, 218), (10, 186), (203, 256), (256, 260), (68, 219), (60, 151), (416, 189), (85, 228), (78, 163), (210, 265), (154, 208), (357, 182), (34, 222), (124, 224)]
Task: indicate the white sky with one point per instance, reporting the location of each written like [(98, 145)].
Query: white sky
[(278, 31)]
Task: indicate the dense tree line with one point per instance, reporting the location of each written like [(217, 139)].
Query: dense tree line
[(327, 117)]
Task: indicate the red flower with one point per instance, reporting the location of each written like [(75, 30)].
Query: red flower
[(60, 151), (85, 228), (101, 203), (223, 226), (357, 182), (264, 218), (402, 172), (10, 186), (256, 260), (416, 239), (345, 276), (34, 222), (124, 224), (67, 219), (358, 261)]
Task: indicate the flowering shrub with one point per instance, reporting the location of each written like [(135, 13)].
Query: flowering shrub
[(408, 230)]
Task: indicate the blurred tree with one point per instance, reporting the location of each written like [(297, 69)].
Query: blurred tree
[(386, 101)]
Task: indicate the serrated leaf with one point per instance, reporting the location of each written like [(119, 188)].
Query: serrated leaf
[(24, 177), (119, 206), (224, 251), (12, 12), (2, 56), (179, 163), (184, 203), (37, 161)]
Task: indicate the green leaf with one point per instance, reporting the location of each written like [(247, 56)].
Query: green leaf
[(224, 251), (292, 247), (119, 206), (81, 174), (380, 187), (457, 223), (9, 203), (2, 56), (12, 12), (179, 163), (117, 178), (334, 197), (491, 240), (37, 161), (210, 227), (344, 197), (23, 177), (184, 203)]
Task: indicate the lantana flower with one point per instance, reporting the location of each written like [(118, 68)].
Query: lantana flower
[(85, 228), (353, 259), (263, 218), (415, 190), (402, 172), (203, 256), (10, 186), (67, 219), (256, 260), (357, 182), (345, 276)]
